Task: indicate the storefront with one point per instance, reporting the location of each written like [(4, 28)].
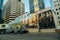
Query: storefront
[(32, 22), (46, 20)]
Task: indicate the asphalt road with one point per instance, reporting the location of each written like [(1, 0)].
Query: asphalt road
[(30, 36)]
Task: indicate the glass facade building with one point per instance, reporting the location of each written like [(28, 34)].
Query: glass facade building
[(1, 7), (41, 4), (1, 3), (36, 5), (31, 5)]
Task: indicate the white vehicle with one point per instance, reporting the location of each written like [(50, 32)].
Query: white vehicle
[(3, 28)]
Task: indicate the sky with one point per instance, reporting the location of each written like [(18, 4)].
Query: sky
[(5, 1), (47, 4)]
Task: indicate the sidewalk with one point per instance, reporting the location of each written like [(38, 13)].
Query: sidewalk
[(48, 30), (33, 30), (36, 30)]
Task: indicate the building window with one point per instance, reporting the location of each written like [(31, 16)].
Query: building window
[(19, 0), (59, 8), (3, 26), (55, 5), (59, 21), (58, 4), (57, 13), (56, 9), (58, 17)]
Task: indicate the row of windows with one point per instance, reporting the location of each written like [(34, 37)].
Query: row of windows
[(19, 0), (57, 9), (56, 1), (56, 5), (59, 21), (58, 17), (57, 13)]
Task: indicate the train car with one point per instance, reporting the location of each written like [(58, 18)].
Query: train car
[(3, 28)]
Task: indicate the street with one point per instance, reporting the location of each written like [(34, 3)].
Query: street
[(30, 36)]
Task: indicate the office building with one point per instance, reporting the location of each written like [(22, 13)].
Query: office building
[(55, 5), (36, 5), (22, 8), (14, 9), (1, 10), (6, 12)]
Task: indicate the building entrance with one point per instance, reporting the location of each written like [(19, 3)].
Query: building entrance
[(46, 21)]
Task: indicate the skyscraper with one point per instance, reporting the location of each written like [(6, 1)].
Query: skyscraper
[(55, 5), (1, 3), (6, 12), (13, 9), (1, 10), (31, 5), (36, 5)]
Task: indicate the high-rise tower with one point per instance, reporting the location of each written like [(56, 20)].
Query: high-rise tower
[(1, 10), (36, 5), (13, 9), (55, 5)]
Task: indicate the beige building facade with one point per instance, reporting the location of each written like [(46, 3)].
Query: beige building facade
[(36, 5), (15, 10), (56, 9), (6, 12)]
